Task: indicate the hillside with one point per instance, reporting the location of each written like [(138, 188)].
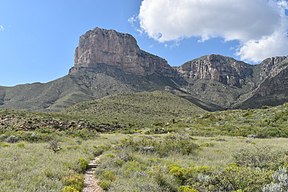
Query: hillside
[(265, 122), (85, 84), (136, 109), (107, 62)]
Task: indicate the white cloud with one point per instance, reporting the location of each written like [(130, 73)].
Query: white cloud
[(267, 46), (256, 24), (1, 28)]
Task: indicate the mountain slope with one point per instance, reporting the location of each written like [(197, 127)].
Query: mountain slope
[(229, 83), (108, 62), (79, 86), (217, 79), (272, 90), (142, 108)]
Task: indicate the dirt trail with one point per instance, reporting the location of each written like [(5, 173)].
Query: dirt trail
[(91, 183)]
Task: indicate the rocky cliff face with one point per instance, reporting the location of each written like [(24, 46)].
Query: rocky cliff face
[(100, 46), (271, 66), (218, 68), (108, 62), (230, 83), (272, 84)]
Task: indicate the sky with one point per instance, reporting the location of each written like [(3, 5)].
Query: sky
[(38, 38)]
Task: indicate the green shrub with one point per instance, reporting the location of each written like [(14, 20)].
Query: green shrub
[(190, 173), (131, 167), (69, 189), (259, 157), (98, 150), (21, 145), (207, 145), (105, 184), (165, 181), (82, 165), (235, 178), (75, 182), (108, 175), (231, 178), (165, 146), (187, 189)]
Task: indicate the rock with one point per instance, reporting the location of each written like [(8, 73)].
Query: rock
[(100, 46), (271, 67), (108, 62), (271, 89), (217, 68)]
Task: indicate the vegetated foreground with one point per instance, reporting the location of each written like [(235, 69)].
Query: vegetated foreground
[(51, 151), (167, 162)]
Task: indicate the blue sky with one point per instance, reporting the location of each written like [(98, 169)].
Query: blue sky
[(38, 38)]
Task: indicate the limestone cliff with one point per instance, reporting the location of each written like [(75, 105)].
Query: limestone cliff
[(108, 62), (100, 46), (218, 68)]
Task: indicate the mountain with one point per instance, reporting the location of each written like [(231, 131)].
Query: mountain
[(141, 109), (119, 50), (217, 79), (272, 85), (229, 83), (107, 62)]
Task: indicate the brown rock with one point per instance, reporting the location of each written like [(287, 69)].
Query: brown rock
[(100, 46)]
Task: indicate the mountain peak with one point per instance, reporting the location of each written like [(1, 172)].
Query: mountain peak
[(217, 68), (120, 50)]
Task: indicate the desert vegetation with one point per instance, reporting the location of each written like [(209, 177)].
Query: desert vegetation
[(236, 150), (202, 164)]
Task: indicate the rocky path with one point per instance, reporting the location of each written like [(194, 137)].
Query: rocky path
[(91, 183)]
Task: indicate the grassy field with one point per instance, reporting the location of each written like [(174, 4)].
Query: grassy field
[(263, 123), (29, 167), (146, 145), (166, 162), (211, 164)]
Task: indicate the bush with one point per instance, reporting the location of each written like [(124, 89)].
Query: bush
[(105, 184), (69, 189), (21, 145), (231, 178), (165, 181), (131, 167), (257, 157), (280, 182), (187, 189), (235, 178), (55, 146), (191, 173), (162, 146), (82, 165), (98, 150), (107, 175), (73, 182), (12, 139)]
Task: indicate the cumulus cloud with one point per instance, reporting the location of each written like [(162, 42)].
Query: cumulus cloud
[(1, 28), (268, 46), (259, 25)]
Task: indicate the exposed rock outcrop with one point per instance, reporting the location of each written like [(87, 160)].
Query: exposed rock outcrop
[(108, 62), (272, 86), (100, 46), (217, 68), (272, 66)]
